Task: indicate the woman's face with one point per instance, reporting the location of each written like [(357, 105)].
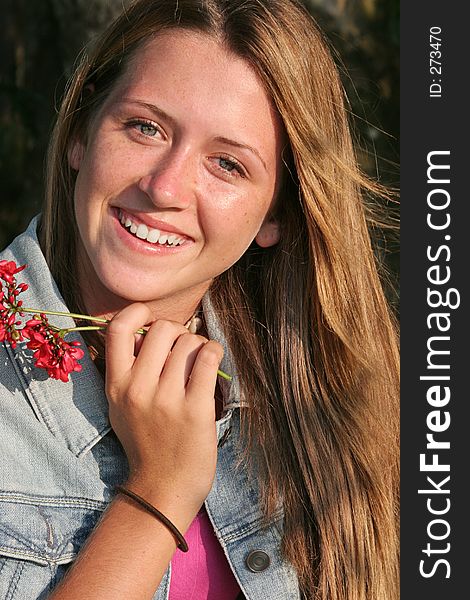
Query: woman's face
[(177, 176)]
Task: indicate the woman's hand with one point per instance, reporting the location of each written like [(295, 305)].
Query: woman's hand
[(162, 408), (161, 405)]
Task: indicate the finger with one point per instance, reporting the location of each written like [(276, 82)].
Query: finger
[(120, 341), (155, 349), (202, 382), (180, 363)]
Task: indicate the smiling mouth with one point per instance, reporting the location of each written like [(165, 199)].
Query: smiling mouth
[(153, 236)]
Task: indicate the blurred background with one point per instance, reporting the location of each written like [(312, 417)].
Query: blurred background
[(41, 40)]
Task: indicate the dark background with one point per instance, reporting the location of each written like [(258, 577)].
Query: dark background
[(40, 41)]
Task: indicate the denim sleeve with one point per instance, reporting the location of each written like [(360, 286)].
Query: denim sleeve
[(39, 540), (26, 580)]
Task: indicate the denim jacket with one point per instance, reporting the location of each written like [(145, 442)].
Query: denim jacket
[(60, 463)]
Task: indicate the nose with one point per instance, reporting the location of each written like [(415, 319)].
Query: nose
[(169, 184)]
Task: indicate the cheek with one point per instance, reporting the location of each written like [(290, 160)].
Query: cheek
[(83, 199), (232, 225), (88, 195), (104, 167), (96, 182), (236, 208), (81, 196), (230, 219)]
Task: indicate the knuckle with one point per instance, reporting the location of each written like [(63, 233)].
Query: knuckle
[(128, 400), (116, 327), (134, 395), (123, 318), (212, 353), (190, 341), (169, 328)]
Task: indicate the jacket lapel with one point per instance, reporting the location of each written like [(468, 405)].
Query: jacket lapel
[(75, 412)]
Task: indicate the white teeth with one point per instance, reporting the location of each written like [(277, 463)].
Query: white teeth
[(142, 231), (153, 236)]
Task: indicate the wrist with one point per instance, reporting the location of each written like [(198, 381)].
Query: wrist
[(179, 508), (158, 515)]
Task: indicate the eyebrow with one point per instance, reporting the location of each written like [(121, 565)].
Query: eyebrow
[(152, 108), (163, 115)]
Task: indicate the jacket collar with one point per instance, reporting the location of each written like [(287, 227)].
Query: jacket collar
[(230, 389), (76, 412)]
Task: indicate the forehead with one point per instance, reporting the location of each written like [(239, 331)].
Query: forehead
[(184, 56), (185, 71)]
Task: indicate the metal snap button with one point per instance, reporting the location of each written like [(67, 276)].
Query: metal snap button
[(257, 561)]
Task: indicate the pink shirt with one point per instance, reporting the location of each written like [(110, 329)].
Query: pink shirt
[(202, 573)]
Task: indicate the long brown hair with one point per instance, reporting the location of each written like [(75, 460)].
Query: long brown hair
[(306, 320)]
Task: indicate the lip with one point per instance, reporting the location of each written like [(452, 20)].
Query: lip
[(152, 223), (142, 246)]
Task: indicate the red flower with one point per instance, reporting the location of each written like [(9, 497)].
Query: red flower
[(8, 269), (9, 303), (64, 361), (8, 327), (51, 351)]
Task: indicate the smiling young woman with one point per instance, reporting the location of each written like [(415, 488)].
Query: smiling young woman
[(175, 157), (202, 163)]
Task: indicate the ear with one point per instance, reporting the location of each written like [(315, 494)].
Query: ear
[(75, 155), (269, 234)]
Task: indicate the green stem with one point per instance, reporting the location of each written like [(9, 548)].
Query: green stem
[(224, 375), (62, 314), (91, 327), (88, 328)]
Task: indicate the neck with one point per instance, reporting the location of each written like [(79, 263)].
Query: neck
[(167, 308), (179, 307)]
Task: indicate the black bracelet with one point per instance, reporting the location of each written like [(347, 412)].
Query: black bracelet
[(182, 544)]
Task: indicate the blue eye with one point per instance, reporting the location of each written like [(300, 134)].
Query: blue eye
[(228, 165), (145, 128)]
